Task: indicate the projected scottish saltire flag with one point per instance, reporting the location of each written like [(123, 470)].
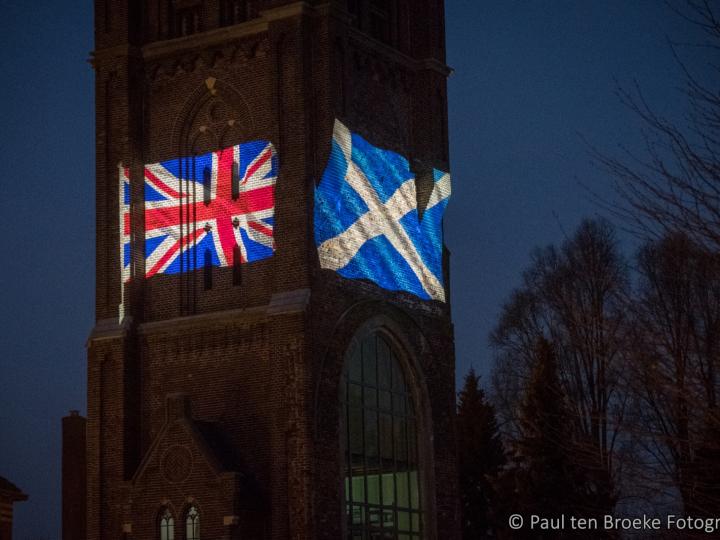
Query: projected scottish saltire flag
[(367, 223), (124, 225), (217, 208)]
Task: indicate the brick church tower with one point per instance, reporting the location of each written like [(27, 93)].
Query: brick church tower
[(272, 399)]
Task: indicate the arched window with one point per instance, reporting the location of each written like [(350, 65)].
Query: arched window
[(167, 525), (234, 12), (381, 476), (207, 269), (192, 524), (237, 264), (187, 21)]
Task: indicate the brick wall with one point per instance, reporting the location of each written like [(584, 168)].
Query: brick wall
[(74, 477)]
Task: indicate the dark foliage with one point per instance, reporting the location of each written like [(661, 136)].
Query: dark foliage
[(480, 458), (552, 471), (576, 297)]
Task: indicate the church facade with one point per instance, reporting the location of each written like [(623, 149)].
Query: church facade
[(262, 396)]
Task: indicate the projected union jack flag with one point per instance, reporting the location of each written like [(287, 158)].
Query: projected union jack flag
[(216, 208), (124, 192), (124, 229)]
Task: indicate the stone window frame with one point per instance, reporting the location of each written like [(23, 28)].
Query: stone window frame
[(166, 523), (195, 535), (379, 19), (410, 363)]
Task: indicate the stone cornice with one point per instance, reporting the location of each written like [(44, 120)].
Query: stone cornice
[(289, 302), (397, 56), (436, 65), (288, 10), (182, 324), (108, 329), (229, 34), (203, 40), (282, 303), (111, 54)]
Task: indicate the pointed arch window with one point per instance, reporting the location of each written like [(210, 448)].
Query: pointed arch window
[(234, 12), (187, 21), (207, 269), (237, 265), (380, 19), (192, 524), (382, 473), (167, 525)]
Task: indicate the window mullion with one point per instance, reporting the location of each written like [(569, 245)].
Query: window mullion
[(364, 516), (348, 442), (378, 440), (394, 450)]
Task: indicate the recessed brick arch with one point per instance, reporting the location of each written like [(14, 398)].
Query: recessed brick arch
[(415, 353), (214, 116)]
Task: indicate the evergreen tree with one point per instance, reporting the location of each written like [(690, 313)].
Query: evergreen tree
[(551, 473), (481, 456)]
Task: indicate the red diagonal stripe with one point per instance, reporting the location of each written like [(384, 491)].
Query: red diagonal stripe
[(171, 252), (265, 230), (163, 185), (255, 166)]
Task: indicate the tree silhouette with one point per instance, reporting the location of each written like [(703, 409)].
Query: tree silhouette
[(674, 184), (674, 372), (576, 297), (480, 457), (550, 473)]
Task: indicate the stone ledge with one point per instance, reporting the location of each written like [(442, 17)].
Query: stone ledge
[(108, 329), (176, 324), (201, 40), (280, 304), (289, 302)]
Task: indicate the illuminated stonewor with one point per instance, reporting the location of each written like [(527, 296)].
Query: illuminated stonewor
[(251, 389), (367, 223)]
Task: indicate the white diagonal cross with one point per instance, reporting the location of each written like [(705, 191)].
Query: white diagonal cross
[(380, 219)]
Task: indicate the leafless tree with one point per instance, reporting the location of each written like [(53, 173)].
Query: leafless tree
[(674, 368), (675, 184), (575, 297)]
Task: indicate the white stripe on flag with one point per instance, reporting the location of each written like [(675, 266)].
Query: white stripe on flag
[(380, 219)]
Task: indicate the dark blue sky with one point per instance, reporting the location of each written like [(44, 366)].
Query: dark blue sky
[(529, 76)]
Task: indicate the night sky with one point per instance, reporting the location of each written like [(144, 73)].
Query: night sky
[(531, 79)]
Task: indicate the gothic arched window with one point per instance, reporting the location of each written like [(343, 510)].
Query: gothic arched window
[(167, 525), (187, 20), (234, 12), (192, 524), (381, 474), (207, 269), (380, 20)]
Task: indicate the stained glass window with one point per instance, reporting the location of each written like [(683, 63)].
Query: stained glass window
[(234, 12), (167, 525), (192, 524), (381, 479)]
